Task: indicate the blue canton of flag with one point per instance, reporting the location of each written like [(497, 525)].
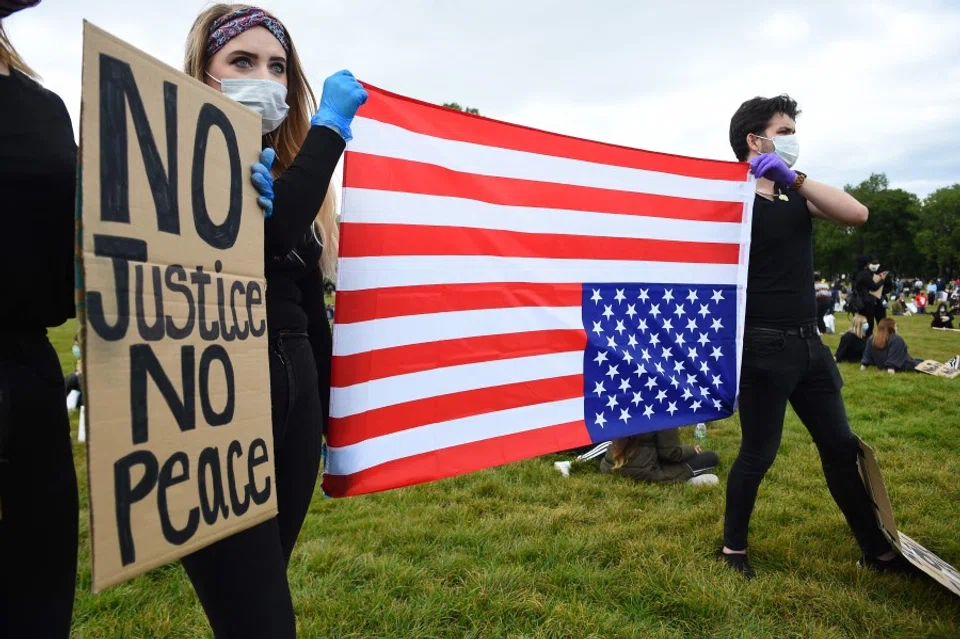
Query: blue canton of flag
[(657, 356)]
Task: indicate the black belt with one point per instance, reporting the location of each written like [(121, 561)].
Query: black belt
[(804, 331)]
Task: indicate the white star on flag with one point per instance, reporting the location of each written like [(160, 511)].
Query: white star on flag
[(717, 296), (632, 342), (674, 382), (651, 383), (643, 325), (680, 340), (645, 354), (716, 354), (627, 357), (662, 395), (703, 339), (672, 408), (668, 325), (597, 328), (620, 327), (599, 389), (624, 385), (659, 367), (695, 406), (641, 370), (692, 324), (654, 339), (601, 357), (624, 415), (596, 296), (717, 404), (648, 412), (678, 366), (692, 354), (717, 382), (692, 296), (612, 401), (612, 343), (600, 420), (691, 380), (704, 392), (679, 311), (717, 325), (620, 296), (607, 311), (687, 394), (704, 311), (637, 398), (668, 295), (643, 295), (705, 368), (631, 310), (667, 353), (612, 371), (655, 310)]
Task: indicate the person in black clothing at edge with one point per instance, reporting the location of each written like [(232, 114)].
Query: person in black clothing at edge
[(853, 341), (783, 357), (242, 580), (38, 484), (868, 267)]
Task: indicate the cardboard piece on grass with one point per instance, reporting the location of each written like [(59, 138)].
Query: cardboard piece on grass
[(171, 305), (931, 564), (937, 369)]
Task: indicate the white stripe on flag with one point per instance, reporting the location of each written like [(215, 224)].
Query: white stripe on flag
[(399, 389), (424, 439), (378, 138), (372, 335), (371, 206), (364, 273)]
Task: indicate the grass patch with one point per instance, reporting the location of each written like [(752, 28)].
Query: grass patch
[(519, 551)]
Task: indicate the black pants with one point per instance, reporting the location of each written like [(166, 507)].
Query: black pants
[(38, 492), (870, 313), (242, 580), (823, 307), (778, 368), (703, 462)]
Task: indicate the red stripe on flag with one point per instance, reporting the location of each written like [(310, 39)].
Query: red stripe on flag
[(373, 240), (369, 304), (440, 122), (345, 431), (413, 358), (458, 460), (406, 176)]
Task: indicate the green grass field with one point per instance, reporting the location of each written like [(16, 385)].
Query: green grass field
[(519, 551)]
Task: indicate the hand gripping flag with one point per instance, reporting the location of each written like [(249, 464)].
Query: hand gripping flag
[(505, 293)]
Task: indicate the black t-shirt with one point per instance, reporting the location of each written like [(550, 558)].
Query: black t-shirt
[(38, 165), (780, 290)]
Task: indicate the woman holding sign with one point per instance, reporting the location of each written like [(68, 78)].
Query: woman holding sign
[(249, 55), (38, 484)]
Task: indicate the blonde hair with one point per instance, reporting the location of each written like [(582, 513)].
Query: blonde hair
[(288, 138), (856, 325), (620, 450), (10, 57)]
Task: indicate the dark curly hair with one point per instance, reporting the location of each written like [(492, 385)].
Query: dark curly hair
[(753, 116)]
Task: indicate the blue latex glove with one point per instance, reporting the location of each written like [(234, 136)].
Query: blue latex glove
[(342, 96), (263, 180), (772, 167)]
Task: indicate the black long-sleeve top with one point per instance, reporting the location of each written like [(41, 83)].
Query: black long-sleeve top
[(38, 166), (865, 284), (291, 249)]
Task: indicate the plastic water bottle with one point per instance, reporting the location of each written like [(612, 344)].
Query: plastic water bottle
[(700, 434)]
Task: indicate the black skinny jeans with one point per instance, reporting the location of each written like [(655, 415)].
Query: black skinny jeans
[(38, 492), (242, 580), (778, 368)]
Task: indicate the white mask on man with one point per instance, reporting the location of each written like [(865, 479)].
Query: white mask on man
[(874, 268), (266, 97), (785, 146)]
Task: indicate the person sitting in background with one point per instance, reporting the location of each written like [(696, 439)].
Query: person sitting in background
[(824, 300), (852, 343), (887, 350), (898, 305), (660, 458), (942, 318), (921, 301)]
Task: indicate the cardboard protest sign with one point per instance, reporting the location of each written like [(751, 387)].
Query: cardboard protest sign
[(937, 369), (931, 564), (171, 303)]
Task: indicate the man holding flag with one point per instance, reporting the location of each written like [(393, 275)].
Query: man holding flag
[(783, 357)]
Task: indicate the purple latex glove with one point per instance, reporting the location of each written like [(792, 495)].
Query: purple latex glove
[(772, 167)]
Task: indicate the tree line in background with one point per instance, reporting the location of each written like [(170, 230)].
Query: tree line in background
[(911, 237)]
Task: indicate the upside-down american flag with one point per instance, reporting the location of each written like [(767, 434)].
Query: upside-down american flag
[(505, 292)]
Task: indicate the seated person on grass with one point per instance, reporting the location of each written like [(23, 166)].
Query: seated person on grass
[(660, 458), (852, 343), (887, 350), (942, 317)]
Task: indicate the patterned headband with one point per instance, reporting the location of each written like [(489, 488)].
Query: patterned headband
[(10, 6), (228, 27)]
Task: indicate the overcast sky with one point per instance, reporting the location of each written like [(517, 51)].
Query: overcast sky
[(878, 82)]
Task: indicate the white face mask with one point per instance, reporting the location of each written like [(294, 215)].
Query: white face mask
[(874, 268), (266, 97), (786, 146), (866, 327)]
